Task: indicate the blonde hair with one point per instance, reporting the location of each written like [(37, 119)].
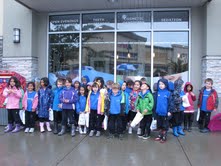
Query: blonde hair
[(115, 86)]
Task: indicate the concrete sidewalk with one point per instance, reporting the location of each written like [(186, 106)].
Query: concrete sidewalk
[(195, 149)]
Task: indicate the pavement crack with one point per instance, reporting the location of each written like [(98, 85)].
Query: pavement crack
[(184, 152), (59, 161)]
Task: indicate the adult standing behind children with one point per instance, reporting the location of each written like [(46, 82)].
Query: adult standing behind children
[(207, 103)]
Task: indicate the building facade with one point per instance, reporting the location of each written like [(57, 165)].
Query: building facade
[(114, 39)]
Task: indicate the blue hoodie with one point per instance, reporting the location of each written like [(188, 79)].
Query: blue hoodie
[(163, 99), (68, 94), (115, 103), (56, 93), (81, 104), (94, 97)]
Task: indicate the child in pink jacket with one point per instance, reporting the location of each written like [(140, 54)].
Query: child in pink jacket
[(189, 111), (13, 93), (29, 104)]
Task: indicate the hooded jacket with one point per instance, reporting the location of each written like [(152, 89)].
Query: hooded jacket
[(68, 94), (212, 100), (163, 99), (177, 95), (56, 94), (191, 98), (81, 104), (115, 103), (145, 102)]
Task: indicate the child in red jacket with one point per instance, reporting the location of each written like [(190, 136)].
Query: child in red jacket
[(207, 102), (189, 111)]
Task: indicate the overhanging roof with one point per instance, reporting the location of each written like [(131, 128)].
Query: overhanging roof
[(84, 5)]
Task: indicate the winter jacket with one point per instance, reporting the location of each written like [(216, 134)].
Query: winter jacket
[(163, 99), (56, 100), (191, 99), (133, 98), (45, 100), (176, 103), (68, 94), (145, 102), (126, 101), (13, 98), (212, 100), (34, 101), (81, 104), (115, 103)]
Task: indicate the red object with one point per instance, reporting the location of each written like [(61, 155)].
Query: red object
[(215, 123), (4, 77), (212, 101)]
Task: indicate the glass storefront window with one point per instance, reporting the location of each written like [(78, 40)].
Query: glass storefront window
[(63, 56), (133, 20), (98, 21), (133, 55), (98, 55), (171, 55), (171, 20), (64, 23)]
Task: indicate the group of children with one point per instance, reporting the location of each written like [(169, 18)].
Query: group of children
[(120, 102)]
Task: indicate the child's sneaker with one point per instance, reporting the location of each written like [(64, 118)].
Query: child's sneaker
[(91, 134), (85, 130), (80, 130), (31, 130), (98, 134), (145, 136), (130, 130), (138, 131), (158, 138), (163, 140), (77, 128), (140, 135), (26, 130)]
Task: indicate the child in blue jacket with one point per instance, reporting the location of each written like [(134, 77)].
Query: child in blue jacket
[(115, 112), (68, 99), (81, 105), (163, 109), (57, 112)]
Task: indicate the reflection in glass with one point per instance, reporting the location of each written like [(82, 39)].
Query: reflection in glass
[(98, 55), (63, 56), (171, 20), (64, 23), (133, 20), (171, 55), (133, 55), (98, 21)]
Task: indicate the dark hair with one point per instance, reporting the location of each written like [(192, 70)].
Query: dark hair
[(138, 82), (143, 79), (148, 87), (78, 83), (45, 80), (209, 80), (68, 79), (129, 82), (85, 90), (101, 80), (59, 80), (33, 84), (17, 82)]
